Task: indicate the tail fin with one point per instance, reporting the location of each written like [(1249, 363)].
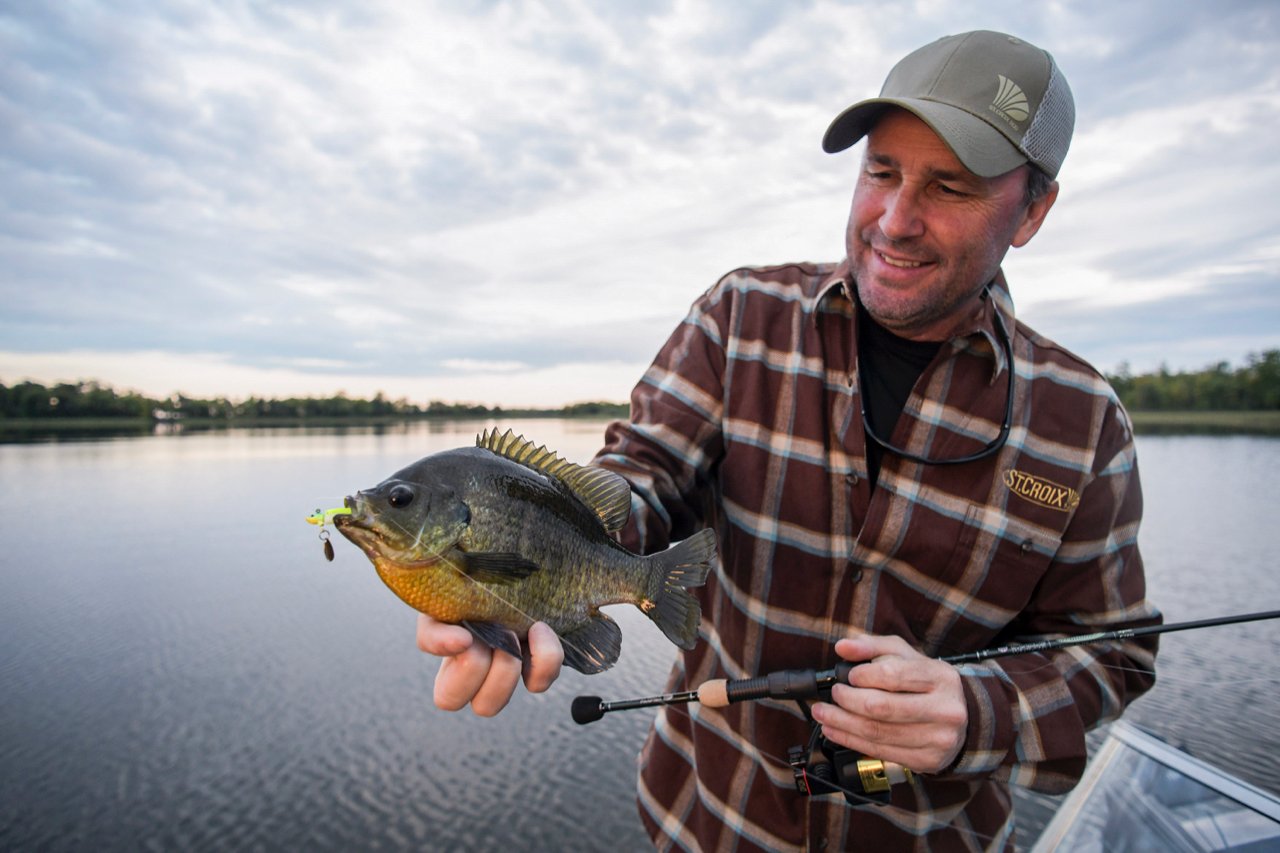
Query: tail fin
[(672, 574)]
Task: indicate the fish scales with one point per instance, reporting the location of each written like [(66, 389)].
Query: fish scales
[(581, 567), (504, 534)]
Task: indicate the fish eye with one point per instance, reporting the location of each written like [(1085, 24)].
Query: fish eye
[(400, 496)]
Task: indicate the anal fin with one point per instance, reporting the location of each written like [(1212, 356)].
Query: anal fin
[(594, 647), (495, 636)]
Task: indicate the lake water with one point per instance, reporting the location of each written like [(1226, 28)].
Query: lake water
[(180, 668)]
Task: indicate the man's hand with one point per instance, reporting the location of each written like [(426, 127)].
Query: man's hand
[(473, 673), (900, 706)]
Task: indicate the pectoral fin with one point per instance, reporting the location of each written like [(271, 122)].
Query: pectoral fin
[(493, 566)]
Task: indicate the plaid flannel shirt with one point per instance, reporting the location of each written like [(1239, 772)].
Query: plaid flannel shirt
[(749, 420)]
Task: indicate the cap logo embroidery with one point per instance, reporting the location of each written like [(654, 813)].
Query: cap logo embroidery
[(1010, 103), (1040, 491)]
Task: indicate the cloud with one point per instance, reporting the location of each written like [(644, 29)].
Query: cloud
[(521, 190), (1231, 310)]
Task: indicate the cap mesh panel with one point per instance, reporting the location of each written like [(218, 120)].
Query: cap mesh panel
[(1049, 135)]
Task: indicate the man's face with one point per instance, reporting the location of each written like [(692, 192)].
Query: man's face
[(925, 234)]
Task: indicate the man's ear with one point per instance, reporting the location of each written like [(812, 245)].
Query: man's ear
[(1033, 216)]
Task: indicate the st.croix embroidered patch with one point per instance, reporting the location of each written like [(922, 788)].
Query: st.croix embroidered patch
[(1040, 491)]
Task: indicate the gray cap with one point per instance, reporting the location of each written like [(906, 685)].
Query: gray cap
[(996, 100)]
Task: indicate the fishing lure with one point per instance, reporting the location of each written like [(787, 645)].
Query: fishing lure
[(323, 517)]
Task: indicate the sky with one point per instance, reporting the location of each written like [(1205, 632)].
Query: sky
[(514, 203)]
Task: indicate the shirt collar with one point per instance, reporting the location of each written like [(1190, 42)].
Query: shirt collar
[(838, 288)]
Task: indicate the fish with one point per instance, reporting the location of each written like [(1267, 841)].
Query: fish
[(504, 534)]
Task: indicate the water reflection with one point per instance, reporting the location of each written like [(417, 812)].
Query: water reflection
[(180, 667)]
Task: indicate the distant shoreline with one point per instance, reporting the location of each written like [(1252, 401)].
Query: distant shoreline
[(1265, 422), (1145, 423), (101, 423)]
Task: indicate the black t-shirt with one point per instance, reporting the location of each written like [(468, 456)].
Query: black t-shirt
[(888, 368)]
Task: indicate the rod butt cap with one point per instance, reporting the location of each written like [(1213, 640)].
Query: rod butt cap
[(587, 709)]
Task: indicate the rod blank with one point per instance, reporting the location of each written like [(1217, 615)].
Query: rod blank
[(1122, 634)]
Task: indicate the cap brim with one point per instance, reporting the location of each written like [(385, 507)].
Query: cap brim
[(980, 147)]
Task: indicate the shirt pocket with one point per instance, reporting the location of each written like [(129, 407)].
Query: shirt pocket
[(990, 577)]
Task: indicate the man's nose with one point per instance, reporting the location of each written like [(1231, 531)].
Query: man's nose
[(901, 218)]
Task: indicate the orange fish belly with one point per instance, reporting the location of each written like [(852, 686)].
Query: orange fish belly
[(440, 591)]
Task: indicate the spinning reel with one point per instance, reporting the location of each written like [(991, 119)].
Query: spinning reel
[(822, 767)]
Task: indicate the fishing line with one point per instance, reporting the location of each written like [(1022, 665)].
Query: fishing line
[(786, 765), (779, 762), (780, 684), (689, 697), (758, 751), (1165, 678), (769, 757), (763, 754)]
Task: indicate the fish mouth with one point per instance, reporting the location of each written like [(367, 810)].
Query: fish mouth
[(382, 544), (359, 525), (369, 533), (350, 518)]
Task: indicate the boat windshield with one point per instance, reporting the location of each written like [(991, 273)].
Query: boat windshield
[(1140, 793)]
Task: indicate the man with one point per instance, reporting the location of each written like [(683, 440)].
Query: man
[(892, 461)]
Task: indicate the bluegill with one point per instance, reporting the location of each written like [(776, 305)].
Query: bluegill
[(500, 535)]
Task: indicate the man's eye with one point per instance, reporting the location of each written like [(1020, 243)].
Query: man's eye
[(951, 191)]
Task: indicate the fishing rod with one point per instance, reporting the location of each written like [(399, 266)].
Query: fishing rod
[(820, 767), (807, 683)]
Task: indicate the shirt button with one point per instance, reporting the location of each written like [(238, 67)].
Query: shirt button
[(851, 479), (1026, 547), (856, 574)]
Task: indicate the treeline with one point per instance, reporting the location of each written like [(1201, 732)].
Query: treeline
[(91, 399), (1219, 388)]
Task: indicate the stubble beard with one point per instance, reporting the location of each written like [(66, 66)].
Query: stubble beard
[(901, 311)]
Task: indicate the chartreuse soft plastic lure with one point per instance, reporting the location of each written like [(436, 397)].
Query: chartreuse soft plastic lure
[(325, 516)]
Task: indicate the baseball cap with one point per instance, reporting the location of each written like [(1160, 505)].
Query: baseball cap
[(996, 100)]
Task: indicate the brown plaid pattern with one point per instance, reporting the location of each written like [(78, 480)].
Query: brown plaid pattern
[(749, 420)]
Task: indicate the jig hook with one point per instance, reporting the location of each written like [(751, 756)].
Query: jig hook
[(322, 517)]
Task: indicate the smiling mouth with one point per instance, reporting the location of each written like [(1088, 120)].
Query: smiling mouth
[(900, 263)]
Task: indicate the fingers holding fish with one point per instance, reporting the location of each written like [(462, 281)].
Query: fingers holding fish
[(542, 665), (472, 673), (441, 638), (477, 676)]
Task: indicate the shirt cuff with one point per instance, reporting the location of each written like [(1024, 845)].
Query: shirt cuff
[(990, 733)]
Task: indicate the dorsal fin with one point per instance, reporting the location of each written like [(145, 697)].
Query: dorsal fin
[(604, 492)]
